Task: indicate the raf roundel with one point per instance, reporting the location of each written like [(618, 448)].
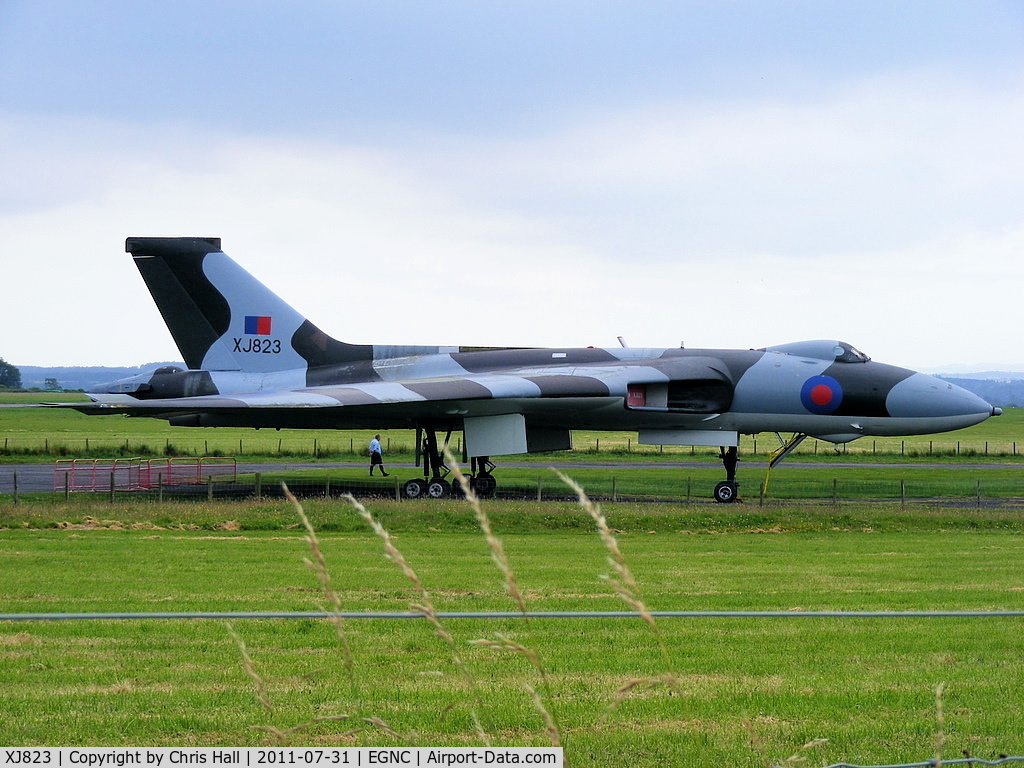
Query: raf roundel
[(821, 395)]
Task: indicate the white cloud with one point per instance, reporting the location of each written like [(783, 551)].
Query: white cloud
[(888, 215)]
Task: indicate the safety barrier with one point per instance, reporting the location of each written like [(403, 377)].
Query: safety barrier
[(138, 474)]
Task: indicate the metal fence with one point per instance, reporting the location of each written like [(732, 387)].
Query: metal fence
[(955, 491), (138, 474)]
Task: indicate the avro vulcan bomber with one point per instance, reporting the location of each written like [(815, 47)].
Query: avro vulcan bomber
[(254, 361)]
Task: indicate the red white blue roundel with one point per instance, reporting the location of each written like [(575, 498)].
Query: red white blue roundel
[(821, 395)]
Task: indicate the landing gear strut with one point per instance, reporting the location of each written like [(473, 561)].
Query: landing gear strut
[(785, 448), (482, 481), (727, 491), (434, 483)]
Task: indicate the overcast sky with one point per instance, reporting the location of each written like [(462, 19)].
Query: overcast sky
[(724, 174)]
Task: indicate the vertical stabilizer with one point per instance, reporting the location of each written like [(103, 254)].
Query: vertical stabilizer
[(224, 319)]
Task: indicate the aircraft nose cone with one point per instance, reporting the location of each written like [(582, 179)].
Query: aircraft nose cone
[(923, 396)]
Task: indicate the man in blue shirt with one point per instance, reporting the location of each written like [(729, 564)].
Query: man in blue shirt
[(376, 460)]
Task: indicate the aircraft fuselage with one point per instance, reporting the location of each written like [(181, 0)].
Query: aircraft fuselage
[(254, 361)]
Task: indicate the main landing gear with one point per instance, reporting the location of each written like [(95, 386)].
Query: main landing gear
[(434, 483), (727, 491)]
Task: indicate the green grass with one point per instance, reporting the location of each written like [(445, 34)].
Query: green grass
[(749, 692), (450, 516)]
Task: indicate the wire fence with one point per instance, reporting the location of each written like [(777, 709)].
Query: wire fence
[(205, 479)]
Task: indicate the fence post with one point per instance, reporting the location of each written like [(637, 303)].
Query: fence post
[(160, 486), (835, 492), (259, 485), (540, 480), (979, 493), (67, 487), (614, 496), (903, 492), (111, 486), (15, 486), (209, 487)]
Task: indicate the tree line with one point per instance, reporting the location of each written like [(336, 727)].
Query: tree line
[(10, 375)]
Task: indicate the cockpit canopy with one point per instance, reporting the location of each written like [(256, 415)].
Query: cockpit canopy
[(822, 349)]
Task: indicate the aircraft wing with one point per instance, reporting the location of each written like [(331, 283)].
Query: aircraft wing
[(425, 395)]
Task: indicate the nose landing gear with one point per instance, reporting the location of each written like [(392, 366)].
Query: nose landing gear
[(727, 491)]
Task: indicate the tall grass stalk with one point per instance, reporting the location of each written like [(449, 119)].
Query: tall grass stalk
[(250, 670), (249, 666), (625, 587), (319, 566), (509, 577), (797, 759), (493, 542), (425, 607), (503, 643)]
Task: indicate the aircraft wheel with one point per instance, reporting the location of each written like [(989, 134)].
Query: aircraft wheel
[(485, 486), (726, 492), (438, 488), (414, 489)]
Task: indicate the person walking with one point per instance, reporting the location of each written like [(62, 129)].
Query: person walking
[(376, 459)]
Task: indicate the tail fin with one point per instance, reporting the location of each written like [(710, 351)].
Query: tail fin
[(224, 319)]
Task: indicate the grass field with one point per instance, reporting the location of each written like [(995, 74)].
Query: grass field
[(695, 691), (744, 691)]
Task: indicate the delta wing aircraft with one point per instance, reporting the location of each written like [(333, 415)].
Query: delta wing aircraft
[(253, 361)]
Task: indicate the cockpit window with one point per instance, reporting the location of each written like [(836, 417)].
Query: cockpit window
[(846, 353), (839, 351)]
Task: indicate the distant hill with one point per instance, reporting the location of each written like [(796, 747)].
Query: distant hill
[(1002, 388), (74, 377)]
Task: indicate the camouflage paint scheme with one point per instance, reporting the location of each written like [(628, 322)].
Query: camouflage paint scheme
[(253, 361)]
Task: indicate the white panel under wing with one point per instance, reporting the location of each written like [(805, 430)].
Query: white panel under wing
[(495, 435)]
